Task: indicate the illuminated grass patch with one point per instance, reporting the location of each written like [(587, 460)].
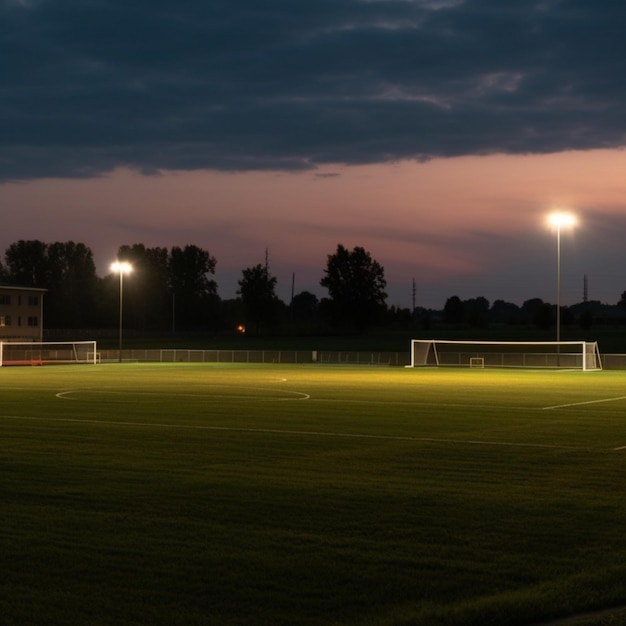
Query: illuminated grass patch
[(248, 494)]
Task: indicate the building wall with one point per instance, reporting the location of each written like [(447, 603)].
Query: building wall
[(21, 313)]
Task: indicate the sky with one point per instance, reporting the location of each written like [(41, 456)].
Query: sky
[(436, 134)]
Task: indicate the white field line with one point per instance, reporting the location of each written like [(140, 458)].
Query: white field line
[(456, 405), (297, 433), (565, 406), (298, 395), (70, 394)]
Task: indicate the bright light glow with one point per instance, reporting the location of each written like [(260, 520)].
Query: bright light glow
[(559, 220), (121, 267)]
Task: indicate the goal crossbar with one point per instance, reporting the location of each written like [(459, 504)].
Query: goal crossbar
[(47, 352), (582, 355)]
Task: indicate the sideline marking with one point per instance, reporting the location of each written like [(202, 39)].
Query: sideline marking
[(309, 433), (565, 406)]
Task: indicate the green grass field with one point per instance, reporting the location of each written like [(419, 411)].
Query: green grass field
[(187, 494)]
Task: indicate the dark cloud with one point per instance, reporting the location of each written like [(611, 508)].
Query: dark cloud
[(90, 85)]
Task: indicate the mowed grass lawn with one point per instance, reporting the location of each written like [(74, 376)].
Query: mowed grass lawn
[(275, 494)]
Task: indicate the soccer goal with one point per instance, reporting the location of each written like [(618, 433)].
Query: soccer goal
[(48, 352), (582, 355)]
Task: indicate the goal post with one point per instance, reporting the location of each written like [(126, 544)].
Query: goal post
[(48, 352), (581, 355)]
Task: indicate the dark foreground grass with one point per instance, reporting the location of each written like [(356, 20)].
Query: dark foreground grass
[(223, 494)]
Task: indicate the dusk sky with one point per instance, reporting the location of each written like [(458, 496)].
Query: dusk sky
[(436, 134)]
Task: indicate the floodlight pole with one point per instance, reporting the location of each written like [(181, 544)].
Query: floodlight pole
[(558, 220), (121, 268), (558, 287)]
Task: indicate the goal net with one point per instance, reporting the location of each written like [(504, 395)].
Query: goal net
[(582, 355), (48, 352)]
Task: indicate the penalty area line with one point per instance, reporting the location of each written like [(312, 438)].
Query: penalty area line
[(571, 404)]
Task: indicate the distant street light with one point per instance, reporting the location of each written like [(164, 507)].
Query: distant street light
[(121, 268), (559, 221)]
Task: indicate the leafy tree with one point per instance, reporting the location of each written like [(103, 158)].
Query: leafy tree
[(530, 308), (544, 316), (304, 309), (147, 291), (66, 270), (477, 312), (72, 285), (257, 289), (194, 292), (504, 312), (304, 306), (454, 310), (27, 263), (356, 285), (622, 300)]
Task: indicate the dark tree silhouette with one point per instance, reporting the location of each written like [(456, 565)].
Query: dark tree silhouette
[(147, 291), (477, 312), (194, 292), (503, 312), (257, 291), (27, 263), (356, 285), (454, 310), (68, 273), (544, 316), (304, 306), (72, 285)]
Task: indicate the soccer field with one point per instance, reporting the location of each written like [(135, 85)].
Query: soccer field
[(188, 494)]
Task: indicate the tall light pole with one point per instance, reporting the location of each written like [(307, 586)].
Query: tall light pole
[(121, 268), (559, 221)]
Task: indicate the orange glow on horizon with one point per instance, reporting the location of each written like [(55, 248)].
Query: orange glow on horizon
[(449, 223)]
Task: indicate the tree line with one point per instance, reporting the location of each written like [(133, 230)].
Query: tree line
[(174, 289)]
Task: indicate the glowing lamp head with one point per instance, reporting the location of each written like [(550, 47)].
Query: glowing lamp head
[(561, 220), (121, 267)]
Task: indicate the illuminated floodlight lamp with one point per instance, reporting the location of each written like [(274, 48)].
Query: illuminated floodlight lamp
[(121, 268), (559, 220)]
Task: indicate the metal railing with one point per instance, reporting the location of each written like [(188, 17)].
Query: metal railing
[(331, 357), (177, 355)]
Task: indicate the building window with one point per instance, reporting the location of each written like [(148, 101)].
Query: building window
[(5, 298), (33, 321), (33, 300), (5, 320)]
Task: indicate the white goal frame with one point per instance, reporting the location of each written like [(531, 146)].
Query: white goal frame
[(579, 355), (48, 352)]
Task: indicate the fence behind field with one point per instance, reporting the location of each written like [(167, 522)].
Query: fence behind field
[(362, 357), (166, 355)]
